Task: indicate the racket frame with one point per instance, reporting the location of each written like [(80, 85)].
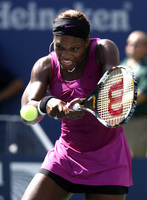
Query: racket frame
[(94, 96)]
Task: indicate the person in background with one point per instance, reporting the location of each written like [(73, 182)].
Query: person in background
[(10, 85), (136, 59), (88, 157)]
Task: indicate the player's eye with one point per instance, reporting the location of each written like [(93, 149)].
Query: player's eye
[(75, 49), (59, 47)]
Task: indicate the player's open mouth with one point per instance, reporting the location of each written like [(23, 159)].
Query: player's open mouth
[(66, 63)]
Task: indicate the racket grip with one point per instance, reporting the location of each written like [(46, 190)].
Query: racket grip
[(76, 106)]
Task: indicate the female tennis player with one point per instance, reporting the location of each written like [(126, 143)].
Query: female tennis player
[(88, 158)]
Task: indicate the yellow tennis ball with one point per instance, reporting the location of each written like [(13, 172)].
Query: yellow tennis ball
[(29, 113)]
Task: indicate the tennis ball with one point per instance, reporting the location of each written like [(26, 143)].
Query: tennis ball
[(29, 113)]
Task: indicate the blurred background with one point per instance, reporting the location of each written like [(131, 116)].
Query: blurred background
[(25, 36)]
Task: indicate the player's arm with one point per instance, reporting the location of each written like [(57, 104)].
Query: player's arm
[(107, 54), (37, 86), (35, 93)]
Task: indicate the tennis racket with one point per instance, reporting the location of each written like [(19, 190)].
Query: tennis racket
[(114, 98)]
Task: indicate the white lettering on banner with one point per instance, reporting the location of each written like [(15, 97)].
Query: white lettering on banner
[(32, 17)]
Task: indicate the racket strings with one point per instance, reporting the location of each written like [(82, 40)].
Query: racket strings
[(115, 97)]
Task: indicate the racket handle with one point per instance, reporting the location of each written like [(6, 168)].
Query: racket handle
[(76, 106)]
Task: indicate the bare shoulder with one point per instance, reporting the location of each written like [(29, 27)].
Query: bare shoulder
[(107, 54), (42, 67), (106, 44)]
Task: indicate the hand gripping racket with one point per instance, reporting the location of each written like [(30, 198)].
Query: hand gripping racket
[(114, 98)]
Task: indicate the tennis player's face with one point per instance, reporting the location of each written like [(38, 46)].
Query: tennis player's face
[(70, 50)]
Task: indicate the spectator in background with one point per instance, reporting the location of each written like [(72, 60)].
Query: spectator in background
[(10, 85), (136, 128)]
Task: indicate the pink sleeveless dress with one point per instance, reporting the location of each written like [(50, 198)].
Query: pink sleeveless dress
[(87, 152)]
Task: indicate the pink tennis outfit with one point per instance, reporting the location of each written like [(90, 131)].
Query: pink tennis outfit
[(87, 152)]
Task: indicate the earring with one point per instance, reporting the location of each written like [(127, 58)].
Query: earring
[(50, 47)]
